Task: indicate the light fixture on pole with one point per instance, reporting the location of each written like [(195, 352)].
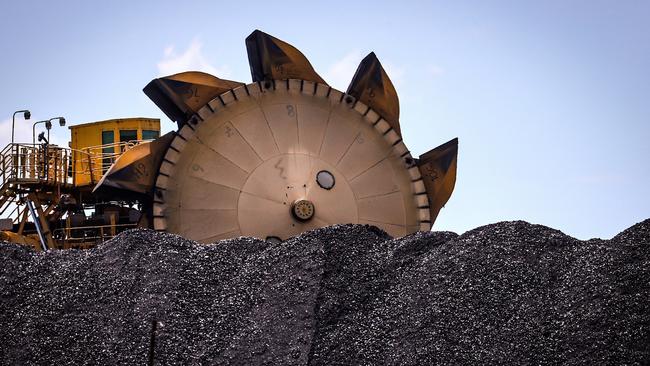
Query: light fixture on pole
[(34, 130), (48, 126), (26, 114)]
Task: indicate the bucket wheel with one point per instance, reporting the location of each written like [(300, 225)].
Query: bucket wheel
[(289, 153)]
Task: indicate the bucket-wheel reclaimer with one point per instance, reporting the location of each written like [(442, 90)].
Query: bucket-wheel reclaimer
[(284, 154)]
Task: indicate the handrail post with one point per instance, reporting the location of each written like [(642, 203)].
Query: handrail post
[(56, 166), (13, 161)]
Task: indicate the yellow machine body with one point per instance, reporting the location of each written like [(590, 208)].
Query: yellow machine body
[(12, 237), (96, 145)]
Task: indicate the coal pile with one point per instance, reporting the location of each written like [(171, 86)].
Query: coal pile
[(510, 292)]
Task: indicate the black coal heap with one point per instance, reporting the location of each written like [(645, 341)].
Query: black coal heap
[(510, 292)]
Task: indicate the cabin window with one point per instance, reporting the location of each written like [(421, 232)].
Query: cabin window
[(150, 134), (108, 138), (128, 135)]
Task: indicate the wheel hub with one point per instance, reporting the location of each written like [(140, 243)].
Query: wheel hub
[(303, 210)]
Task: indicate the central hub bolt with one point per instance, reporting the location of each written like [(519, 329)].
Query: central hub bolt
[(303, 210)]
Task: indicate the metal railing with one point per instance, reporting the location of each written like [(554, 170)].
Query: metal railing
[(92, 162), (40, 163), (89, 234), (27, 163)]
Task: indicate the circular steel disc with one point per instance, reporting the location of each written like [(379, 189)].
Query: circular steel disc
[(253, 152)]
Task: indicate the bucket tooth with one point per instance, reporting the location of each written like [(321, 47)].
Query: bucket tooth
[(182, 95), (271, 58), (372, 86), (133, 174), (438, 170)]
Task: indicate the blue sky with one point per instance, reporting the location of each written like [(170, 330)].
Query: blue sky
[(550, 99)]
